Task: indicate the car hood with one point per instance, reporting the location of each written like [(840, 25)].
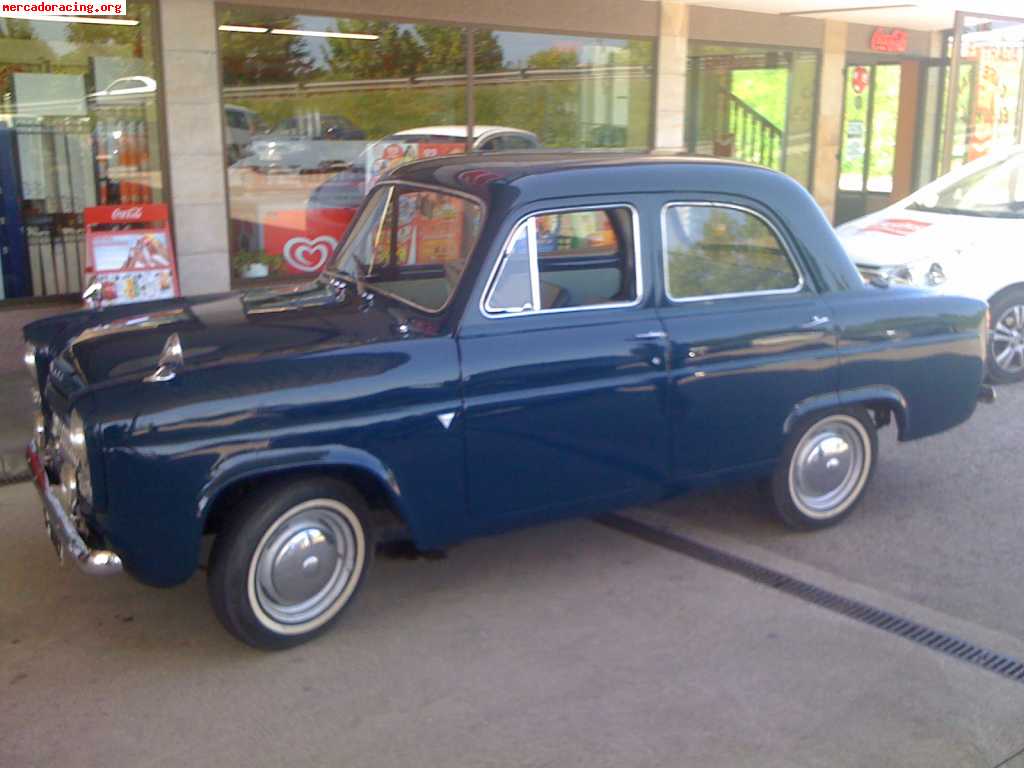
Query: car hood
[(897, 236), (124, 343)]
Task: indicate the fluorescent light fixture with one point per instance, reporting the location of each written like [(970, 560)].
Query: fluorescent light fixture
[(71, 19), (317, 33), (240, 28)]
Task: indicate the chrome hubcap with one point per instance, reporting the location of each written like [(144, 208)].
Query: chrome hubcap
[(1007, 340), (829, 467), (305, 562)]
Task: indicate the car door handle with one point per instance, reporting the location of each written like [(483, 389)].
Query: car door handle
[(817, 322), (651, 336)]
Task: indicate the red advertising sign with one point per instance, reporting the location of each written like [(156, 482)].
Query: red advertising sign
[(861, 79), (129, 251), (889, 40)]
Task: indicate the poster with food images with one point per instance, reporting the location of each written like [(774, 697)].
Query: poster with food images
[(429, 228), (133, 265), (130, 253)]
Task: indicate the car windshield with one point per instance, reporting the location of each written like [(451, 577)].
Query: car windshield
[(411, 243), (997, 190)]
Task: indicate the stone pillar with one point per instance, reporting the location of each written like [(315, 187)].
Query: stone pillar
[(670, 96), (830, 116), (195, 144)]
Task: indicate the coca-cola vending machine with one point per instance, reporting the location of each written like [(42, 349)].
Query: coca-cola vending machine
[(130, 254)]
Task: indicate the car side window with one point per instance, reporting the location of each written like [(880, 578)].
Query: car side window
[(723, 250), (567, 260)]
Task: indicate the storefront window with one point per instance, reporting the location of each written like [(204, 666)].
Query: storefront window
[(570, 92), (78, 128), (753, 104), (317, 109), (988, 105)]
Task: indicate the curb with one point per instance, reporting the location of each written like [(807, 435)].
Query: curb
[(13, 468)]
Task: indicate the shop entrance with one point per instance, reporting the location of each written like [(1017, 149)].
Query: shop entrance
[(868, 151)]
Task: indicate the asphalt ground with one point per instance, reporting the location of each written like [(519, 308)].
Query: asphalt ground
[(568, 644)]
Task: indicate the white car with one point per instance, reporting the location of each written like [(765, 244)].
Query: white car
[(962, 234)]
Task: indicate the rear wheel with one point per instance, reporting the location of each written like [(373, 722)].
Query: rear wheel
[(1006, 339), (825, 469), (289, 561)]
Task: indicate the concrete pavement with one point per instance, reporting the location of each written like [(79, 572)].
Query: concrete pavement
[(570, 644)]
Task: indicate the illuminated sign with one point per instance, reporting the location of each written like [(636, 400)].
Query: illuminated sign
[(889, 40)]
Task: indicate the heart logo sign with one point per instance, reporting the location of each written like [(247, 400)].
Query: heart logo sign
[(305, 255)]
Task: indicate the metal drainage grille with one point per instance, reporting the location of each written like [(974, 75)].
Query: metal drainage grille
[(935, 639)]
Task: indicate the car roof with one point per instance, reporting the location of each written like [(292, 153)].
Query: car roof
[(544, 174)]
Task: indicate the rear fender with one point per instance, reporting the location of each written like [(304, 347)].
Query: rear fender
[(877, 397)]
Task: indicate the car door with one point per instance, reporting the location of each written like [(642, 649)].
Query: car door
[(564, 371), (750, 337)]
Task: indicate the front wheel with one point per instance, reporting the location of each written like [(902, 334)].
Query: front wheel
[(288, 562), (825, 469), (1006, 339)]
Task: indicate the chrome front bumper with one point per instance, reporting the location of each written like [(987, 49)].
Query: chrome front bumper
[(65, 537)]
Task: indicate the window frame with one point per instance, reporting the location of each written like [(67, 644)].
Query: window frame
[(787, 251), (390, 184), (535, 264)]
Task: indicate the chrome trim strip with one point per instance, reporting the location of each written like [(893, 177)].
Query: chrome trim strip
[(743, 294), (637, 265), (95, 562)]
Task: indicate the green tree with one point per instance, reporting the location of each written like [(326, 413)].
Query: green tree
[(554, 58), (395, 53), (253, 59)]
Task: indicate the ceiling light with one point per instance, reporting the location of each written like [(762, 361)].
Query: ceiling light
[(240, 28), (317, 33), (72, 19)]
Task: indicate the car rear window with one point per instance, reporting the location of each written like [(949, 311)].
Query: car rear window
[(719, 250)]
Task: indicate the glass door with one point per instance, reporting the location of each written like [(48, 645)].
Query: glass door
[(871, 106)]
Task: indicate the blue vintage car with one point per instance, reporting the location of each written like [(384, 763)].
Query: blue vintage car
[(502, 340)]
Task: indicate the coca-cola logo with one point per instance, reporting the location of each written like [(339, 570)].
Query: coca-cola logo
[(126, 214), (889, 41)]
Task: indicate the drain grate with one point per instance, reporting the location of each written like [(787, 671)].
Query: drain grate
[(934, 639)]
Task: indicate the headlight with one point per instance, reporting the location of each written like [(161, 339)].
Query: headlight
[(920, 275), (30, 361), (71, 442)]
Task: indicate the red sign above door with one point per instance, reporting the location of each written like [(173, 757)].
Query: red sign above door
[(889, 40)]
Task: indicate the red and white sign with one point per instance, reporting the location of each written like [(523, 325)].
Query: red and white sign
[(132, 264), (889, 40), (898, 227), (861, 79), (304, 244)]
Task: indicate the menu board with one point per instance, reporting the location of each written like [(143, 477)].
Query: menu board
[(130, 253)]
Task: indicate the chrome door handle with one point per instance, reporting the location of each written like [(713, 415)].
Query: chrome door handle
[(817, 321), (651, 336)]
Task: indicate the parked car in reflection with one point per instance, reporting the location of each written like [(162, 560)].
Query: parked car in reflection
[(241, 127), (502, 340), (332, 204), (125, 91), (311, 143), (960, 234)]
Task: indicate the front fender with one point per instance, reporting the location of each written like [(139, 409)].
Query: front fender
[(247, 466)]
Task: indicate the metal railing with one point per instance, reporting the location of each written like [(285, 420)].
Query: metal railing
[(752, 136)]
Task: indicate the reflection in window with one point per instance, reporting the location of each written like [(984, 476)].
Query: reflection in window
[(79, 118), (576, 92), (412, 244), (580, 259), (754, 104), (319, 108), (714, 250), (332, 112)]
